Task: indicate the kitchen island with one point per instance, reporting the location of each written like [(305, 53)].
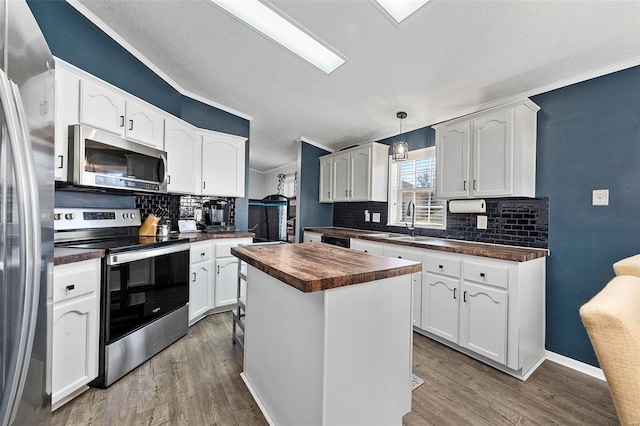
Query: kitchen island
[(328, 336)]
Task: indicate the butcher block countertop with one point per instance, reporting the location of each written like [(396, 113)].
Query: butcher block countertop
[(194, 237), (64, 255), (493, 251), (313, 267)]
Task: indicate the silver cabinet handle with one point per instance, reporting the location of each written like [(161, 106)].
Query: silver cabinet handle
[(71, 287), (130, 124), (455, 296), (475, 186), (122, 121), (464, 297), (193, 277), (168, 179), (464, 185), (218, 269), (61, 158)]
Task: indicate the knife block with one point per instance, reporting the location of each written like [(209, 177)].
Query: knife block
[(150, 226)]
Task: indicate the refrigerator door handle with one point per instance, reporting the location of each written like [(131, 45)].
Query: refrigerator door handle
[(28, 211)]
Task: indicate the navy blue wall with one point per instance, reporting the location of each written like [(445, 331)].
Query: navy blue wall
[(311, 213), (588, 138), (78, 41), (416, 139)]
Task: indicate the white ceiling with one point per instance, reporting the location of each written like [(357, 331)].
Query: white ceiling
[(446, 61)]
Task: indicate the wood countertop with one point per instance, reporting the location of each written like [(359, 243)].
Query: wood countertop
[(64, 255), (194, 237), (313, 267), (493, 251)]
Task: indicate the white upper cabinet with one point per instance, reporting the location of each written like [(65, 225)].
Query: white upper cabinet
[(488, 154), (325, 180), (180, 143), (108, 110), (101, 108), (356, 174), (223, 164), (144, 125)]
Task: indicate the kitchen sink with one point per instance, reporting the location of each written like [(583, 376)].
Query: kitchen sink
[(410, 238)]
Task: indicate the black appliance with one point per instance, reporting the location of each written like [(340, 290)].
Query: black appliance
[(336, 241), (144, 288), (268, 218), (215, 214)]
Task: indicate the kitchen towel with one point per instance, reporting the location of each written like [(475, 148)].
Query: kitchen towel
[(467, 206)]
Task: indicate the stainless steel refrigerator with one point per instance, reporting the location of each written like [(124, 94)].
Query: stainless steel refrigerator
[(26, 217)]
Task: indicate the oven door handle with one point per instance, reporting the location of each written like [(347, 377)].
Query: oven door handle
[(132, 256)]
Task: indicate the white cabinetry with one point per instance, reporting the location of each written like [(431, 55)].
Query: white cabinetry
[(110, 111), (312, 237), (201, 257), (489, 309), (75, 329), (67, 86), (416, 278), (488, 154), (226, 267), (223, 164), (214, 277), (356, 174), (181, 145)]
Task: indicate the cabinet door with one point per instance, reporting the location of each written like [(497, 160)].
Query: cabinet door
[(199, 289), (182, 157), (483, 321), (360, 175), (226, 287), (493, 155), (340, 165), (452, 159), (144, 125), (101, 108), (312, 237), (375, 249), (74, 345), (325, 180), (417, 299), (440, 307), (222, 166)]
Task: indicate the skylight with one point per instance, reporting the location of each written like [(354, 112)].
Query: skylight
[(401, 9), (277, 28)]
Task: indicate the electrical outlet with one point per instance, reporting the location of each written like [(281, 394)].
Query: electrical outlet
[(600, 197), (367, 216), (482, 222), (376, 217)]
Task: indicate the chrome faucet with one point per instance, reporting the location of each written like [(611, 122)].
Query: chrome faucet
[(411, 211)]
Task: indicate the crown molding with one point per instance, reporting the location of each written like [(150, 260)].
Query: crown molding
[(129, 48), (316, 144)]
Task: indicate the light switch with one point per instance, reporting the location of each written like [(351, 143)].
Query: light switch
[(367, 216), (376, 217), (600, 197), (482, 222)]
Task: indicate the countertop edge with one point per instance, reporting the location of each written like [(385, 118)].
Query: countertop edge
[(64, 255)]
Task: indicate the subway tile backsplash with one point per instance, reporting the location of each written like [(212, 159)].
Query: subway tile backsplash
[(179, 206), (514, 221)]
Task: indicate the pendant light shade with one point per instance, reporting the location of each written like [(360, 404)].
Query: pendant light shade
[(400, 148)]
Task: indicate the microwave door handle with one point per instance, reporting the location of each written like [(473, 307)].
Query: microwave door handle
[(29, 225), (162, 167)]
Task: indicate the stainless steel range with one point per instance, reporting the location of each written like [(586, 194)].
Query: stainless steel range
[(144, 288)]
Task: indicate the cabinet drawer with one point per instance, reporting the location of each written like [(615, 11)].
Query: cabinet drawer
[(402, 254), (200, 252), (224, 249), (486, 274), (76, 279), (443, 265)]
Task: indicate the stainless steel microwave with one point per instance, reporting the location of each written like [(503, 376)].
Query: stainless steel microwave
[(101, 159)]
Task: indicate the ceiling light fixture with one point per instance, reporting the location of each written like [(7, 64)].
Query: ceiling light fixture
[(263, 19), (401, 148), (401, 9)]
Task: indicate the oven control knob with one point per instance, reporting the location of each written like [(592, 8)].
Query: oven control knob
[(133, 215), (57, 216), (69, 216), (125, 215)]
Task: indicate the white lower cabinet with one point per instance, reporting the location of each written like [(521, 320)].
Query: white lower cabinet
[(312, 237), (489, 309), (416, 278), (214, 277), (75, 329)]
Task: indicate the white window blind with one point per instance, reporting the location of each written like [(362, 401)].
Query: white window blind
[(414, 179)]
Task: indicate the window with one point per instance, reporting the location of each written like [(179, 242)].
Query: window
[(414, 179)]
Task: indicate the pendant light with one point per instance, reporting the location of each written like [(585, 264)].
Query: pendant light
[(401, 148)]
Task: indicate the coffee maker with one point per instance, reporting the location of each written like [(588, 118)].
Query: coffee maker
[(215, 214)]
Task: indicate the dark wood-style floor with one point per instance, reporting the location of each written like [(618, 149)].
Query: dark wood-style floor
[(196, 381)]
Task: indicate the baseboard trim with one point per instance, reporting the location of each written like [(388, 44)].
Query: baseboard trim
[(257, 399), (587, 369)]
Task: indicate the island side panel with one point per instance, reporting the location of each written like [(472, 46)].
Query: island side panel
[(283, 356), (368, 353)]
